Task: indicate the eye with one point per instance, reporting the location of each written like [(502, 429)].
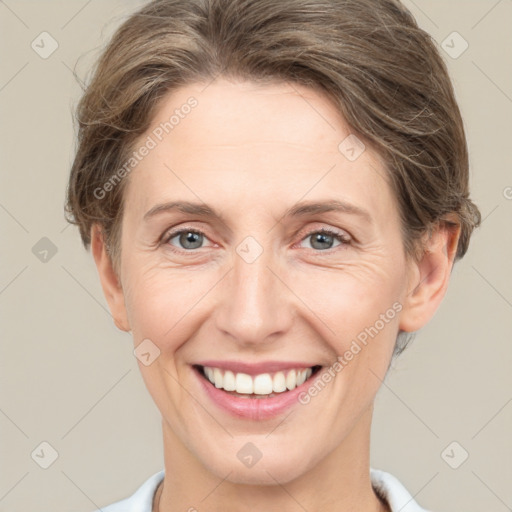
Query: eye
[(322, 239), (189, 239)]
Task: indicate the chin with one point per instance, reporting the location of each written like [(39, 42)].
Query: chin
[(278, 466)]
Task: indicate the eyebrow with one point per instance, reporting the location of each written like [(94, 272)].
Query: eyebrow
[(297, 210), (333, 205)]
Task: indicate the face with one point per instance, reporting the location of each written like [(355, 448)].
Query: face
[(249, 281)]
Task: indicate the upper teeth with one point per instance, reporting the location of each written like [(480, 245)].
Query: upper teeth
[(263, 384)]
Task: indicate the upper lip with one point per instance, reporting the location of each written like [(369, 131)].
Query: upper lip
[(255, 368)]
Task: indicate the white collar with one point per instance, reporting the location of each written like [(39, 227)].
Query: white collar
[(385, 485)]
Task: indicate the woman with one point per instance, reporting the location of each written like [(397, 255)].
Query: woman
[(274, 194)]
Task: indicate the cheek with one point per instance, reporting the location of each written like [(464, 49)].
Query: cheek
[(158, 301), (351, 298)]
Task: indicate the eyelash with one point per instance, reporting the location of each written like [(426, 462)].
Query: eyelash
[(343, 239)]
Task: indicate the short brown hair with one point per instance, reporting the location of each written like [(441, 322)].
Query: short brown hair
[(381, 71)]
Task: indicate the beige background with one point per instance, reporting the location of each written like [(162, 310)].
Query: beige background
[(69, 377)]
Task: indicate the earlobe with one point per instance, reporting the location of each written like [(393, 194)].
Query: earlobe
[(110, 283), (431, 275)]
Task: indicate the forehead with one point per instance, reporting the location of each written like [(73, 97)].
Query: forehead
[(248, 141), (245, 113)]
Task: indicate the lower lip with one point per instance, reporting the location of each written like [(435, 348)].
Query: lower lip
[(252, 408)]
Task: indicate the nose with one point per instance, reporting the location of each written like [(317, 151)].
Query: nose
[(257, 305)]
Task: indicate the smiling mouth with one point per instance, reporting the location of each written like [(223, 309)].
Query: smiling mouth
[(264, 385)]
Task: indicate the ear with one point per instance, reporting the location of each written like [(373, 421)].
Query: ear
[(429, 277), (109, 280)]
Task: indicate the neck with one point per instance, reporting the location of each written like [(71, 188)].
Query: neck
[(338, 483)]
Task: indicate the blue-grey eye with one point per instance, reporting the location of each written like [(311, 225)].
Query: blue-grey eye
[(187, 239), (323, 239)]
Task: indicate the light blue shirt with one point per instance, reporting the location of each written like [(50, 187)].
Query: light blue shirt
[(385, 485)]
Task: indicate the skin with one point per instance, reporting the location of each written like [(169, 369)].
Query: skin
[(252, 151)]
